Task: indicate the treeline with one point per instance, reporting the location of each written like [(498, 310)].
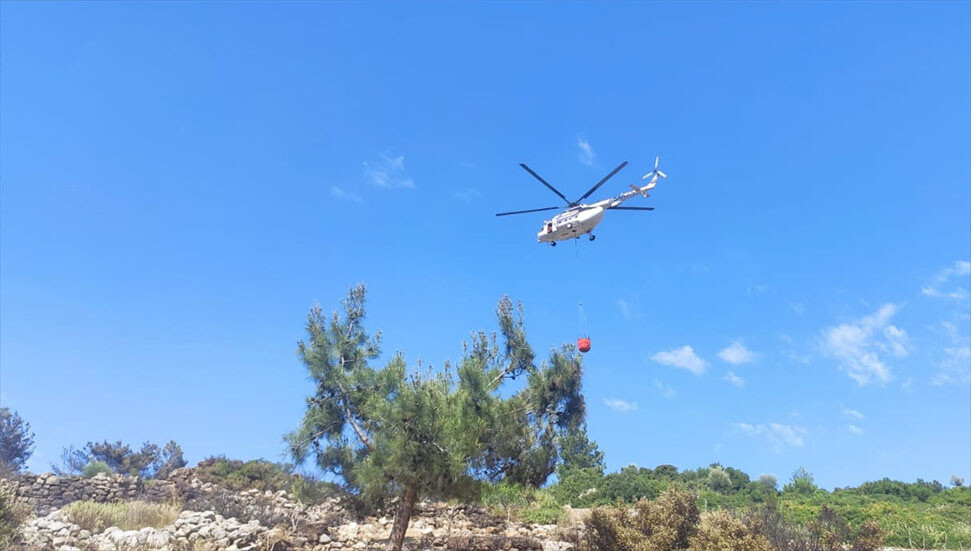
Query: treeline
[(723, 486)]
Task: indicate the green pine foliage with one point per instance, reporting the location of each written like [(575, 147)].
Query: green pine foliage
[(151, 461), (404, 432), (16, 442)]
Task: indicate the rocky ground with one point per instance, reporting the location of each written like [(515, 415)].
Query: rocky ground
[(217, 519)]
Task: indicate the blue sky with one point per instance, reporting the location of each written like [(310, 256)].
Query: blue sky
[(180, 182)]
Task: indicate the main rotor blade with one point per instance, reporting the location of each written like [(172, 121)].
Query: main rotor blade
[(631, 208), (601, 182), (525, 211), (545, 183)]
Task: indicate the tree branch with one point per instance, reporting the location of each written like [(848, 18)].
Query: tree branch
[(350, 419)]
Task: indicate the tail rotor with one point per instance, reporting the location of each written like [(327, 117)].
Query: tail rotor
[(655, 172)]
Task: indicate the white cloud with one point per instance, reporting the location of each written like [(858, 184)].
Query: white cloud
[(759, 289), (734, 379), (586, 154), (856, 345), (854, 429), (683, 357), (897, 341), (389, 173), (622, 406), (339, 193), (798, 307), (625, 308), (778, 435), (960, 268), (467, 195), (851, 413), (955, 368), (664, 389), (737, 354)]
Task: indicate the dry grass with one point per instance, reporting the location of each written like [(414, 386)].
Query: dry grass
[(127, 515)]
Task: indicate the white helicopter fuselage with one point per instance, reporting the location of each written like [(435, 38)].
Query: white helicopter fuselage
[(582, 219), (571, 223)]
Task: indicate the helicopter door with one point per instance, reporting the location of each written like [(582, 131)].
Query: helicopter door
[(549, 227)]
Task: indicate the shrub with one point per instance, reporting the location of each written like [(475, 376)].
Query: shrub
[(505, 498), (12, 515), (127, 515), (801, 483), (829, 530), (610, 528), (721, 531), (310, 491), (234, 474), (768, 481), (718, 479), (869, 538), (782, 535), (663, 525), (96, 467), (543, 510), (579, 487), (671, 520)]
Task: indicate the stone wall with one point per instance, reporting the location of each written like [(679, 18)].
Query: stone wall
[(46, 492), (215, 518)]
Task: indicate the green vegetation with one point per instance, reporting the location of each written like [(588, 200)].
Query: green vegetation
[(522, 503), (263, 475), (673, 522), (919, 514), (127, 515), (94, 468), (234, 474), (405, 433), (151, 461), (16, 442), (12, 515)]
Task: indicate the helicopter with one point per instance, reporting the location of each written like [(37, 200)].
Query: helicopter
[(581, 218)]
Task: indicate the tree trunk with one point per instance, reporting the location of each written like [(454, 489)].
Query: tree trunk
[(402, 517)]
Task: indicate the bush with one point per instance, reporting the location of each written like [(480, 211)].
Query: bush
[(663, 525), (829, 530), (505, 498), (721, 531), (768, 481), (579, 487), (718, 479), (543, 510), (310, 491), (12, 515), (801, 483), (96, 467), (869, 538), (250, 475), (127, 515)]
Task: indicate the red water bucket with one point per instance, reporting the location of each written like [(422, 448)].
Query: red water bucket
[(583, 343)]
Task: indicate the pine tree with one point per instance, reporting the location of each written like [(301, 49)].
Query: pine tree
[(16, 442), (407, 433)]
